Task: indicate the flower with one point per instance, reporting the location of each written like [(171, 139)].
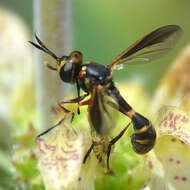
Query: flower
[(174, 86), (169, 162), (61, 154)]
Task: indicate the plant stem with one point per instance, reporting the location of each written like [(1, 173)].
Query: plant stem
[(52, 23)]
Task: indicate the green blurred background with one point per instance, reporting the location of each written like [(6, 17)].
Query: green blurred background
[(102, 29)]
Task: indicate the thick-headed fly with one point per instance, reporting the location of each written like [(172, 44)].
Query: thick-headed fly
[(96, 80)]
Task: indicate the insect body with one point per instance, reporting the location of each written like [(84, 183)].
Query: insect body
[(96, 79)]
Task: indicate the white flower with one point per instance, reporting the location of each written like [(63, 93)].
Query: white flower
[(169, 162), (61, 153)]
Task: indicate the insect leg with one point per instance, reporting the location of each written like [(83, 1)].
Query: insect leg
[(113, 141), (87, 102), (46, 131), (75, 100), (78, 93), (88, 152)]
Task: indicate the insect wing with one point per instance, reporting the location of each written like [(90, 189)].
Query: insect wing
[(150, 47), (102, 117)]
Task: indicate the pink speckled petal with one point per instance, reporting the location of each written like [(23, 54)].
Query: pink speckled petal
[(174, 121), (61, 153), (169, 163), (156, 173)]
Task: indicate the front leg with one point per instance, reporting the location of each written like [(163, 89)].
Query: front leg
[(75, 100), (87, 102)]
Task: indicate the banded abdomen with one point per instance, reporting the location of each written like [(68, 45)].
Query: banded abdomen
[(144, 135)]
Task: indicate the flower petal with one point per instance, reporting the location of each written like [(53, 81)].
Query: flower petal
[(174, 86), (174, 121), (170, 161), (61, 153)]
